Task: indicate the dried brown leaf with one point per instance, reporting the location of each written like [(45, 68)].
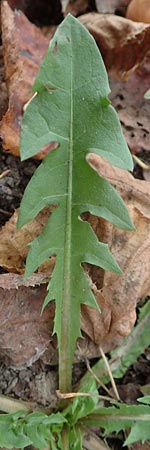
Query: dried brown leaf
[(25, 333), (122, 42), (14, 243), (140, 446), (133, 109), (24, 46)]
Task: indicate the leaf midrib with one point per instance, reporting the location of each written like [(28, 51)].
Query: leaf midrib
[(65, 345)]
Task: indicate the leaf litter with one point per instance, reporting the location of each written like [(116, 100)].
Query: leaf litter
[(136, 195)]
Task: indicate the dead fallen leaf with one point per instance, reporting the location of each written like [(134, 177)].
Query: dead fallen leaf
[(146, 174), (24, 46), (97, 326), (133, 109), (13, 242), (3, 89), (140, 446), (25, 333), (139, 10), (122, 42)]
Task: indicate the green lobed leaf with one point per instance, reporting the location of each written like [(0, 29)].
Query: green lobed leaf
[(36, 429), (36, 436), (145, 399), (122, 417), (72, 108), (9, 438)]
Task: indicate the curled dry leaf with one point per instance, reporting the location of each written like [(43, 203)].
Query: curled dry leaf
[(123, 43)]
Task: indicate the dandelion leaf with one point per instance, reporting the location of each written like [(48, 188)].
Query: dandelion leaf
[(72, 108)]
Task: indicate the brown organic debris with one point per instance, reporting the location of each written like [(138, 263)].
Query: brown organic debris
[(14, 243), (24, 47), (122, 42), (25, 333), (133, 109)]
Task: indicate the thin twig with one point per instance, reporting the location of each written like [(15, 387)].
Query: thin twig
[(6, 213), (110, 374), (92, 373), (96, 378), (81, 394), (140, 163), (5, 173)]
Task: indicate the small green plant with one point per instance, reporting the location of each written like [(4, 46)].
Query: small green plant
[(72, 108)]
